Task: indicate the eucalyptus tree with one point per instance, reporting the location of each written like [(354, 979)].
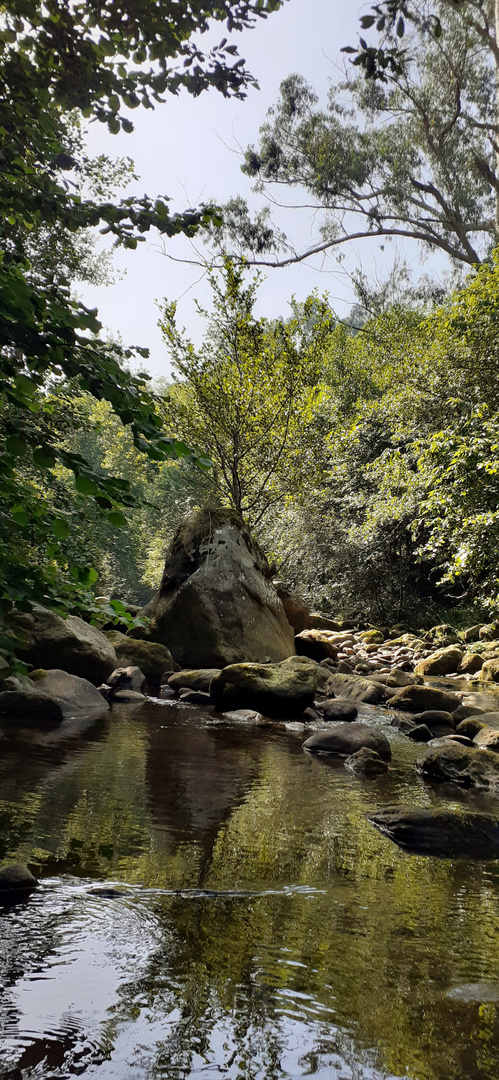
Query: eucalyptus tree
[(410, 155)]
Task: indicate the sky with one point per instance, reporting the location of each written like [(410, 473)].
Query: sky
[(190, 150)]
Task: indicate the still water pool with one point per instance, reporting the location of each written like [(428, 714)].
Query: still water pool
[(214, 904)]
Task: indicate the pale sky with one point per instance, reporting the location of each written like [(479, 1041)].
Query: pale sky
[(188, 149)]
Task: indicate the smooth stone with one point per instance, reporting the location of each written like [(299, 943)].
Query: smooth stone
[(194, 697), (420, 733), (470, 727), (439, 832), (128, 697), (16, 877), (316, 644), (77, 647), (432, 717), (345, 739), (127, 678), (418, 699), (335, 709), (469, 766), (441, 662), (356, 688)]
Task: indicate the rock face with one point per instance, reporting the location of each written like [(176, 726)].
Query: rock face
[(441, 662), (216, 604), (295, 608), (344, 740), (276, 690), (151, 658), (439, 832), (49, 698), (417, 699), (78, 648), (464, 765)]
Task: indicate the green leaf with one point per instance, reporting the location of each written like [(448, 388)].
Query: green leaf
[(60, 528), (116, 518), (85, 485), (20, 516), (16, 446)]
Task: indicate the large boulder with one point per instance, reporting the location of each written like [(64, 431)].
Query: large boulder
[(470, 664), (295, 608), (344, 740), (75, 646), (216, 604), (441, 662), (466, 765), (151, 658), (417, 699), (48, 698), (428, 831), (442, 635), (276, 690), (355, 688), (16, 878)]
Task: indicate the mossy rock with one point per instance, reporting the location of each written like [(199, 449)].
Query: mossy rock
[(151, 658)]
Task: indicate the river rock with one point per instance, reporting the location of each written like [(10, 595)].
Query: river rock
[(417, 699), (443, 635), (78, 648), (472, 633), (316, 644), (50, 697), (435, 718), (489, 632), (470, 664), (127, 678), (151, 658), (336, 709), (17, 878), (441, 662), (487, 738), (216, 605), (295, 608), (366, 762), (466, 765), (128, 697), (490, 670), (316, 621), (344, 740), (450, 833), (470, 726), (193, 680), (419, 733), (356, 688), (399, 678), (276, 690), (195, 697)]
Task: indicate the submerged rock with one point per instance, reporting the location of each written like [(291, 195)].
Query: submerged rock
[(439, 832), (276, 690), (344, 740), (216, 605), (366, 762), (336, 709)]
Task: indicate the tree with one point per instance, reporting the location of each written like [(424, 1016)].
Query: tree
[(247, 396), (59, 62), (413, 157)]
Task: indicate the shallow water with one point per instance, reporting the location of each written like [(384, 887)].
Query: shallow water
[(214, 903)]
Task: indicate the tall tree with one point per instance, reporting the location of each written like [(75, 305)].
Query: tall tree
[(413, 156)]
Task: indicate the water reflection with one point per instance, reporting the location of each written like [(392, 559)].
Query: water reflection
[(258, 928)]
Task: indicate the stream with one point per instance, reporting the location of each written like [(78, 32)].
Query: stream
[(214, 904)]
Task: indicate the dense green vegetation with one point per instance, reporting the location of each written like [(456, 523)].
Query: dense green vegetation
[(364, 453)]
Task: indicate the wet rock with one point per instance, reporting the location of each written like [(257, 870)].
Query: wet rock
[(403, 724), (151, 658), (400, 678), (464, 711), (417, 699), (470, 726), (127, 678), (128, 697), (419, 733), (487, 738), (195, 697), (465, 765), (17, 878), (50, 697), (366, 762), (31, 708), (193, 680), (78, 648), (441, 662), (336, 709), (435, 717), (450, 833), (344, 740), (316, 644), (276, 690), (216, 604)]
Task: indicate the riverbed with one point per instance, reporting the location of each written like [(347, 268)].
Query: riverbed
[(214, 903)]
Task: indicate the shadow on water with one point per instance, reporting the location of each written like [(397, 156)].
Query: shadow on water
[(214, 903)]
